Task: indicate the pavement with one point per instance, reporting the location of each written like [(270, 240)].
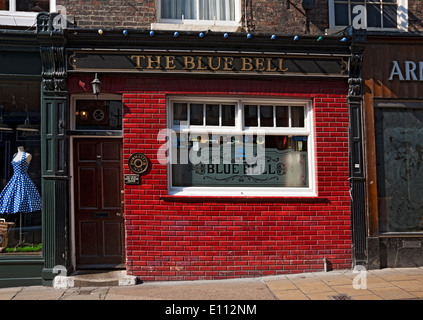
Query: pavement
[(383, 284)]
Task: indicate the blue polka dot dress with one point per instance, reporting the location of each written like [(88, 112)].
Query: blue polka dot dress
[(20, 193)]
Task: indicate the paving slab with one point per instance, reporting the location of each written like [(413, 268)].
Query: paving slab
[(39, 293), (278, 285), (290, 295), (392, 293), (326, 295), (409, 285), (350, 290), (367, 297), (197, 290), (9, 293)]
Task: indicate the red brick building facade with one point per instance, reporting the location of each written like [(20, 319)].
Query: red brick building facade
[(171, 237)]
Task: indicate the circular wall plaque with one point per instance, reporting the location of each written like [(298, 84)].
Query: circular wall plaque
[(138, 163)]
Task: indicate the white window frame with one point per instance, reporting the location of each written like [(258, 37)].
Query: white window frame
[(402, 18), (198, 25), (239, 128), (21, 18)]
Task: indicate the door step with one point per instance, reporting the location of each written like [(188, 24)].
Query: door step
[(85, 278)]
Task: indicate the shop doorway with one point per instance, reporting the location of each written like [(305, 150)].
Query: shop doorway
[(99, 215)]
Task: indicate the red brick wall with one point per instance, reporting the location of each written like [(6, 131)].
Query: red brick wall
[(213, 238)]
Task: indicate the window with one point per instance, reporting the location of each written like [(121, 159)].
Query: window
[(98, 115), (380, 14), (240, 147), (199, 12), (23, 12), (20, 233), (399, 154)]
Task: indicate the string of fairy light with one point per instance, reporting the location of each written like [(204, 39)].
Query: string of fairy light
[(225, 35)]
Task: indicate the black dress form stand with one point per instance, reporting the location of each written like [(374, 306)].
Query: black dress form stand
[(21, 242)]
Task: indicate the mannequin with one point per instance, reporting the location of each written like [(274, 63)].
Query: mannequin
[(20, 195), (21, 151)]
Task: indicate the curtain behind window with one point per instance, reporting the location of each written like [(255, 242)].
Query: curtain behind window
[(223, 10), (176, 9)]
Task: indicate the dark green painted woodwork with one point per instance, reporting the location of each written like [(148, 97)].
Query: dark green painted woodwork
[(16, 271), (55, 181)]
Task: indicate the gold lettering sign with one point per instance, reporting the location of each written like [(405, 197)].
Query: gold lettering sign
[(209, 63)]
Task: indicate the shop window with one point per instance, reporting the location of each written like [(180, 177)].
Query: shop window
[(399, 164), (20, 232), (241, 147), (23, 12), (380, 14), (206, 12)]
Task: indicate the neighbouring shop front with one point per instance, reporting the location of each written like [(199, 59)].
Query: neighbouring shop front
[(21, 259), (393, 71)]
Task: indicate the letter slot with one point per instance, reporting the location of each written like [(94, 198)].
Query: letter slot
[(101, 214)]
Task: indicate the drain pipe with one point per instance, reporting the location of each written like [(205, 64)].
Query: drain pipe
[(325, 264), (245, 15)]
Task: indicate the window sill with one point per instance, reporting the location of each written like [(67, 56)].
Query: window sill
[(408, 234), (22, 19), (270, 199), (373, 30), (194, 27)]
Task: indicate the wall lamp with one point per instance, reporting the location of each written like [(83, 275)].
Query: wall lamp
[(96, 83)]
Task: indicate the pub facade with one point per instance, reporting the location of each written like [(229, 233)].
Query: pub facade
[(203, 155), (179, 151)]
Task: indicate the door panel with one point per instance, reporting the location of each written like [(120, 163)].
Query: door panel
[(113, 230), (89, 247), (111, 191), (98, 217), (111, 151), (88, 198)]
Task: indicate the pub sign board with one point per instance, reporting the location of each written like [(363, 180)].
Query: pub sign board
[(138, 163), (132, 179), (200, 62)]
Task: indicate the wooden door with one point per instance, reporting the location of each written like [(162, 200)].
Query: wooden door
[(98, 208)]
